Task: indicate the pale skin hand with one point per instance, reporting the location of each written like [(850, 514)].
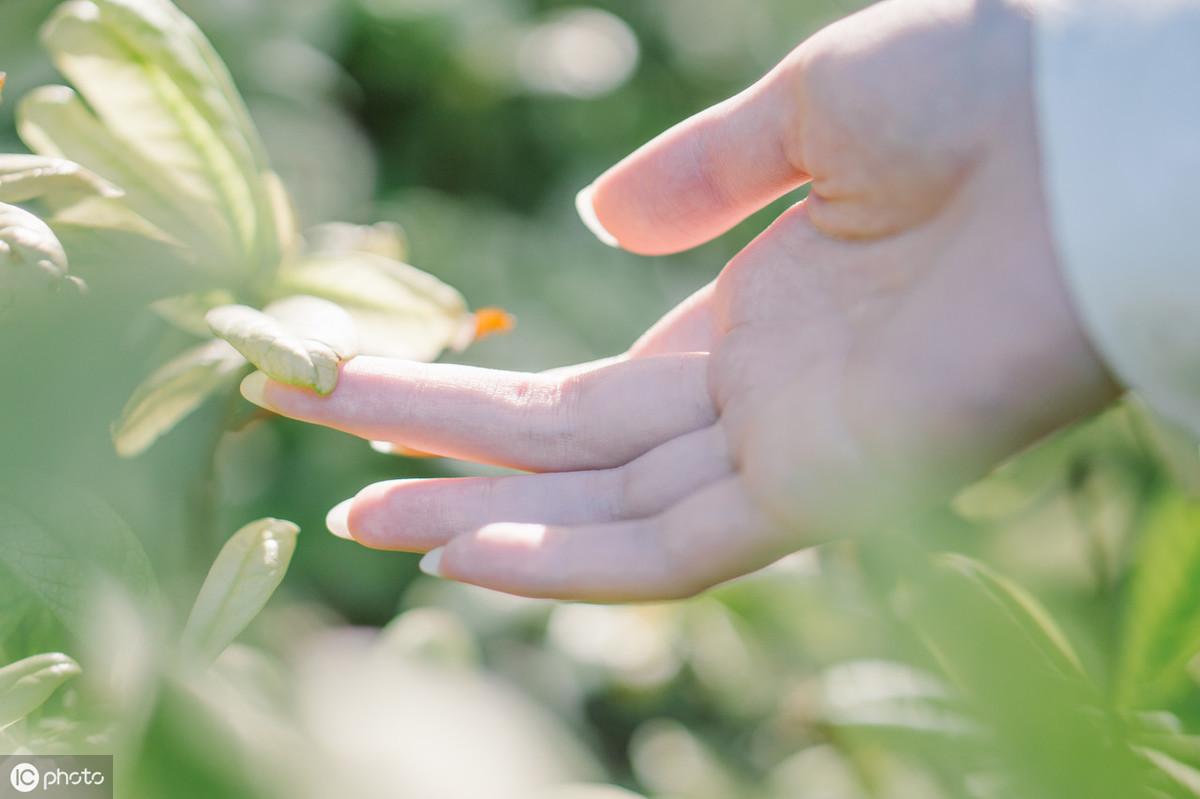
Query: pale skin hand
[(882, 343)]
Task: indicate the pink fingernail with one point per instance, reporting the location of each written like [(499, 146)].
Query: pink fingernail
[(431, 564), (254, 388), (338, 519), (586, 206)]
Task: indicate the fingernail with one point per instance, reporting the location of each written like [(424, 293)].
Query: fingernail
[(431, 564), (254, 388), (585, 205), (338, 519)]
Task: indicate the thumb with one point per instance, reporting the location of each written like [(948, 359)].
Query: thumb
[(706, 174)]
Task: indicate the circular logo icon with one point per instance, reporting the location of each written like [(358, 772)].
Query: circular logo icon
[(25, 777)]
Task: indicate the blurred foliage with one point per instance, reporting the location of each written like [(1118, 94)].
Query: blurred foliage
[(1035, 638)]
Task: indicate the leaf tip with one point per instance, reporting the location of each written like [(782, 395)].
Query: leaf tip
[(282, 526), (62, 666)]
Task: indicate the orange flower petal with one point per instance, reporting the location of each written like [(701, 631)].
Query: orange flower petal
[(493, 321)]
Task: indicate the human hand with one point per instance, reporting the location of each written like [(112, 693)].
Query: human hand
[(885, 341)]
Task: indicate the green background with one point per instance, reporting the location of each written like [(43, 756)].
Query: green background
[(873, 668)]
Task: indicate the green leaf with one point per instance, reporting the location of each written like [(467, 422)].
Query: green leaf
[(246, 573), (30, 254), (27, 240), (1023, 609), (299, 340), (1182, 775), (14, 605), (1046, 723), (157, 31), (160, 34), (59, 542), (315, 318), (101, 233), (54, 122), (186, 311), (1174, 444), (884, 694), (141, 104), (384, 239), (27, 684), (399, 311), (287, 226), (165, 109), (587, 791), (55, 181), (172, 392), (1161, 626)]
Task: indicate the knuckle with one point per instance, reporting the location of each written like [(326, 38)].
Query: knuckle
[(843, 115), (574, 404), (566, 399), (547, 411)]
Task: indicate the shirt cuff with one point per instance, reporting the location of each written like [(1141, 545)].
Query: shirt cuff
[(1118, 93)]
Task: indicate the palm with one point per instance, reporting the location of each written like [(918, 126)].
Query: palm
[(896, 366), (897, 333)]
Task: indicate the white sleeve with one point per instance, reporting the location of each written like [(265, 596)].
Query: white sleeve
[(1118, 93)]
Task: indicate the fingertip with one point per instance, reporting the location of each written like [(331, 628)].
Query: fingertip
[(397, 516), (585, 205), (338, 519), (703, 176), (298, 402), (431, 563)]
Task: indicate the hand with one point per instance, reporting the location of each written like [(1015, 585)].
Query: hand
[(885, 341)]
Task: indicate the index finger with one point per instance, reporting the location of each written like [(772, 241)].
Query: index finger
[(597, 419)]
